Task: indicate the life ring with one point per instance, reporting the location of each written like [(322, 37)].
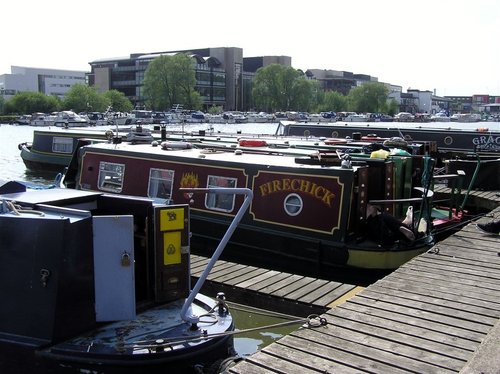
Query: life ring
[(332, 141), (252, 143), (448, 140)]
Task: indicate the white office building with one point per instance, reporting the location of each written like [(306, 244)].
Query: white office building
[(47, 81)]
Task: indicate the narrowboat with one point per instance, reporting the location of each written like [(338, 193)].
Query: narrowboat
[(308, 213), (52, 148), (463, 137), (95, 282)]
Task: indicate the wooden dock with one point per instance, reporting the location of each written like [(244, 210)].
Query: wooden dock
[(429, 316), (273, 290), (437, 313)]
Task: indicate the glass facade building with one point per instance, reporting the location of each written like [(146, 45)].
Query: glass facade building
[(223, 76)]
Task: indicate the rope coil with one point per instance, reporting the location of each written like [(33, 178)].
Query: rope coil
[(16, 209)]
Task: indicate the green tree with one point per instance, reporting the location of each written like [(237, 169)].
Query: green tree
[(392, 107), (215, 109), (278, 87), (368, 98), (333, 101), (32, 102), (118, 101), (171, 80), (82, 98)]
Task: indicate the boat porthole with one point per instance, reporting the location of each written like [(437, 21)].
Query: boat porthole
[(307, 133), (293, 204), (335, 134), (448, 140)]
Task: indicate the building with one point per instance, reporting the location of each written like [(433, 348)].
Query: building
[(47, 81), (416, 101), (224, 79), (339, 81), (223, 75)]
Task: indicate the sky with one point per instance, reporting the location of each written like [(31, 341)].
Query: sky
[(451, 47)]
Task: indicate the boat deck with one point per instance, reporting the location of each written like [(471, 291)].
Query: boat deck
[(438, 313)]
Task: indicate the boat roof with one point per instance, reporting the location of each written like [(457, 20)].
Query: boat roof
[(262, 156), (493, 127), (50, 196)]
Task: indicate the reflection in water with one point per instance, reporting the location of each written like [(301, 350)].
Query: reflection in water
[(260, 323), (40, 177)]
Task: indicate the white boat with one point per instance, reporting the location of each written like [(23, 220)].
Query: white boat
[(260, 117), (440, 117), (144, 116), (119, 118), (468, 117), (42, 119), (25, 119), (68, 118), (97, 119), (357, 118), (404, 117)]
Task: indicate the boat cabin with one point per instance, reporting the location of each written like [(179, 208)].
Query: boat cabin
[(48, 237), (307, 211), (95, 282)]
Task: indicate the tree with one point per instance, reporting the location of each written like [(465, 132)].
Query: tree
[(278, 87), (32, 102), (118, 101), (368, 98), (333, 101), (392, 107), (170, 80), (82, 98)]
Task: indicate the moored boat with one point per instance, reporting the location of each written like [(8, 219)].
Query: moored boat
[(447, 136), (68, 118), (308, 211), (94, 282), (52, 149)]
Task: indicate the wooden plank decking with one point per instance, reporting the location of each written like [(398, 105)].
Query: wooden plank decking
[(269, 289), (429, 316)]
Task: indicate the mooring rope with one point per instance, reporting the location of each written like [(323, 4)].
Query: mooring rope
[(312, 321), (16, 209)]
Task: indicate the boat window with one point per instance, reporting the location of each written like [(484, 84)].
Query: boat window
[(111, 176), (222, 202), (293, 204), (62, 144), (160, 183)]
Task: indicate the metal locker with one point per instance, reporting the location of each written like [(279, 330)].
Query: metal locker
[(114, 268)]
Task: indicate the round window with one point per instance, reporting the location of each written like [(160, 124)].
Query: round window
[(293, 204)]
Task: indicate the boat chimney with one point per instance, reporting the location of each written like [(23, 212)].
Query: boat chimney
[(163, 131)]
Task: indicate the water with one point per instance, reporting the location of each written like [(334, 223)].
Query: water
[(13, 168)]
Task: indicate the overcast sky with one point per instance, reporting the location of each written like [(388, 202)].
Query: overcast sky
[(451, 46)]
